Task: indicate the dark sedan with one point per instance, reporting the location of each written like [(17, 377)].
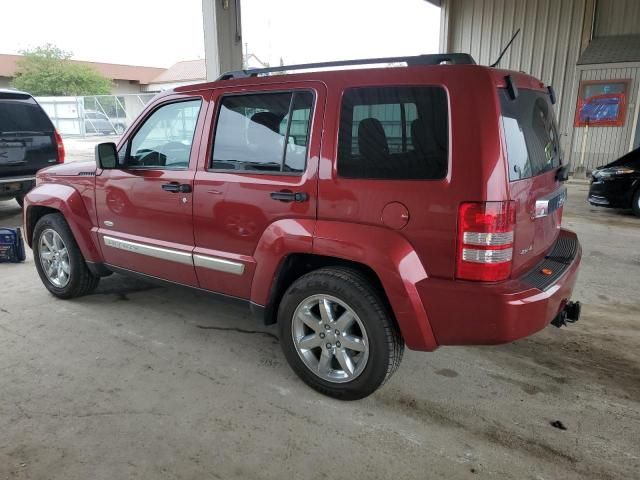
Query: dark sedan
[(617, 185)]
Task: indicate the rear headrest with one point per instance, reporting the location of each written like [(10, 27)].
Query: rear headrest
[(268, 119), (260, 122), (372, 141)]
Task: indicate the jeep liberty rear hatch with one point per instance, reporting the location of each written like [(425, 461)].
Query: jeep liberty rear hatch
[(534, 157)]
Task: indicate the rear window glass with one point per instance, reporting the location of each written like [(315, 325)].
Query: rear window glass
[(531, 134), (23, 117), (398, 133)]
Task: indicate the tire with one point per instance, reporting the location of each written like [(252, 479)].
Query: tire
[(355, 310), (76, 279), (635, 203), (20, 199)]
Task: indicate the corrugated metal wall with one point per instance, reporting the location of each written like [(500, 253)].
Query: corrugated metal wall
[(605, 144), (547, 47), (617, 17)]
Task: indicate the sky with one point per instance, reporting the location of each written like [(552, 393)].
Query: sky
[(162, 32)]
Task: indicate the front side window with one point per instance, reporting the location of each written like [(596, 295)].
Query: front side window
[(266, 132), (165, 139), (531, 136), (398, 133)]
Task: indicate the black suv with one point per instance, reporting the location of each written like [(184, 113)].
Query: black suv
[(28, 142)]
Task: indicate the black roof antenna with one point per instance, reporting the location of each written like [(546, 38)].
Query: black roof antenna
[(504, 50)]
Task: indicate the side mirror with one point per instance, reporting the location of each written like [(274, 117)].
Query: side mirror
[(106, 155)]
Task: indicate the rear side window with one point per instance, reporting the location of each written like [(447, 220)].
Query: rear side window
[(398, 133), (531, 134), (267, 132), (17, 116)]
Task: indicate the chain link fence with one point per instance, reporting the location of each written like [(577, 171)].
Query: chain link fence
[(94, 115)]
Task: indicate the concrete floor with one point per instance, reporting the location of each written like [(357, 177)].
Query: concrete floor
[(137, 381)]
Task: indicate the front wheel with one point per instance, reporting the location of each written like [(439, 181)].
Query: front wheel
[(337, 333), (59, 260), (635, 206)]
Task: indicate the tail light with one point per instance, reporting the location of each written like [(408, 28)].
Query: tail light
[(485, 241), (60, 146)]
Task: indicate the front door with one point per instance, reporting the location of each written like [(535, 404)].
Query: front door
[(261, 168), (144, 209)]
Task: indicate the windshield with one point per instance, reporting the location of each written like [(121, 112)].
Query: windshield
[(531, 134)]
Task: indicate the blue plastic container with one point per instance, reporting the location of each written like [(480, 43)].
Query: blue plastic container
[(11, 245)]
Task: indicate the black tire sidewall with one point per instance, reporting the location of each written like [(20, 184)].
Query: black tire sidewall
[(57, 223), (372, 316), (635, 203)]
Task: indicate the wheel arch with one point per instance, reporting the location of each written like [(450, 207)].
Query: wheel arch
[(295, 265), (383, 255), (66, 200)]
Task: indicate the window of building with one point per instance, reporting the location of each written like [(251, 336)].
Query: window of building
[(267, 132), (165, 139), (394, 133), (602, 103)]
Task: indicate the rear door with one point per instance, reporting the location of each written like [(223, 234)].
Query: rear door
[(27, 141), (261, 167), (534, 157)]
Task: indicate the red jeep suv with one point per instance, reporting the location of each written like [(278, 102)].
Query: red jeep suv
[(360, 209)]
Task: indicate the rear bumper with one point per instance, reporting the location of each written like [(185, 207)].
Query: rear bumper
[(470, 313), (12, 186)]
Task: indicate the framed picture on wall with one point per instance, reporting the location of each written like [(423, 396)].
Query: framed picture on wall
[(602, 103)]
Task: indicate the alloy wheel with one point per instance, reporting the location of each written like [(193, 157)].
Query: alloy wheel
[(330, 338), (54, 258)]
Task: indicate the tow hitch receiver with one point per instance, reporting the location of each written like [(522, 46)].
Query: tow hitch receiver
[(569, 314)]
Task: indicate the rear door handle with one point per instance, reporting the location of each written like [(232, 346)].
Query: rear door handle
[(287, 196), (175, 187)]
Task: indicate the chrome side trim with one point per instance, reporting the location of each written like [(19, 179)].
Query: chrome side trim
[(549, 204), (219, 264), (148, 250)]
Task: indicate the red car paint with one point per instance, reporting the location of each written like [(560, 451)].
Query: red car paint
[(405, 231)]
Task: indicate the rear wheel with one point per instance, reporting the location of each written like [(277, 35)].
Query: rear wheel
[(635, 205), (338, 334), (58, 259)]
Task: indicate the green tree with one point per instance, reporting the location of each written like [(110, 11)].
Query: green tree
[(47, 71)]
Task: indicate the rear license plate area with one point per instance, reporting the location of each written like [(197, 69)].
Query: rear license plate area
[(10, 187), (12, 153)]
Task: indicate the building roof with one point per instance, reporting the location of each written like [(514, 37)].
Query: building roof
[(183, 71), (112, 71), (612, 49)]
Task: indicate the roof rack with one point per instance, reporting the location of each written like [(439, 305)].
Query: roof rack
[(434, 59)]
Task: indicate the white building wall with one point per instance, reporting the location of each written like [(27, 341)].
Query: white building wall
[(617, 17), (125, 87), (553, 34)]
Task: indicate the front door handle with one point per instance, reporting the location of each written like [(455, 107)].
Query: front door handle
[(287, 196), (175, 187)]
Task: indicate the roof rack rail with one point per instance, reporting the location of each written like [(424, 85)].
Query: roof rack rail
[(432, 59)]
